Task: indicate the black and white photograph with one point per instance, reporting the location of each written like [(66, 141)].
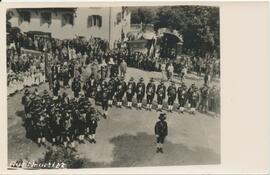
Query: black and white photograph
[(119, 86)]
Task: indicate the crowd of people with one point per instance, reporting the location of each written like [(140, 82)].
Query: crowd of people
[(60, 120), (63, 119), (24, 71), (95, 73), (84, 52)]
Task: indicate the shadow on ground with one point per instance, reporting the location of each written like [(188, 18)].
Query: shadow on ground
[(139, 150)]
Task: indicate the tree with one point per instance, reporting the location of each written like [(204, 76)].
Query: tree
[(145, 15), (199, 26)]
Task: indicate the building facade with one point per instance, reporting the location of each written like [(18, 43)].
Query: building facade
[(108, 23)]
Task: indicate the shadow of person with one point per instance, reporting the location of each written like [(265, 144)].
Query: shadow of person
[(139, 150)]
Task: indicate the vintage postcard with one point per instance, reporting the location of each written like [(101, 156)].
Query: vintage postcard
[(98, 86)]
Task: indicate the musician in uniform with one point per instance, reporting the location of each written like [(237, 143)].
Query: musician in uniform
[(54, 72), (76, 86), (55, 88), (140, 92), (66, 124), (161, 94), (88, 87), (40, 126), (111, 90), (82, 125), (161, 131), (171, 92), (98, 92), (93, 123), (131, 88), (120, 92), (92, 85), (65, 75), (26, 102), (105, 99), (71, 129), (213, 99), (182, 97), (193, 96), (203, 106), (150, 91)]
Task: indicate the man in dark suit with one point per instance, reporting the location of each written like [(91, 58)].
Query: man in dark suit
[(150, 91), (161, 131), (140, 92)]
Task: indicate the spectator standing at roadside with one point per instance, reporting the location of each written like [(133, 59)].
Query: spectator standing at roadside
[(170, 70)]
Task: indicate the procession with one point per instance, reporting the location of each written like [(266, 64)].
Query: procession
[(68, 88)]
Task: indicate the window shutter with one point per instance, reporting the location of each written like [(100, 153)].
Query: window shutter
[(100, 21)]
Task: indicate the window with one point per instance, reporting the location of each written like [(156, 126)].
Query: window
[(25, 16), (95, 20), (118, 18), (67, 19), (46, 18)]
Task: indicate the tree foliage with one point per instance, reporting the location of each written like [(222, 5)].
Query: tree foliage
[(145, 15), (199, 25)]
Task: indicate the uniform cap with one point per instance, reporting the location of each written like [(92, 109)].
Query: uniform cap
[(27, 92), (45, 92), (162, 116)]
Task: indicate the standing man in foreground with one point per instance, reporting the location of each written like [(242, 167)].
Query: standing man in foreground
[(161, 131)]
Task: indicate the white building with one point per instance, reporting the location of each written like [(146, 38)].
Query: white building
[(108, 23)]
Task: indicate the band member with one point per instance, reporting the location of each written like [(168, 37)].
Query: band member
[(214, 100), (46, 99), (53, 117), (105, 99), (55, 72), (26, 102), (140, 92), (171, 91), (76, 87), (150, 91), (111, 91), (65, 74), (92, 125), (203, 106), (90, 86), (65, 100), (66, 124), (86, 88), (120, 92), (193, 98), (55, 88), (161, 131), (98, 92), (131, 88), (161, 94), (182, 97), (71, 129), (40, 126), (82, 125)]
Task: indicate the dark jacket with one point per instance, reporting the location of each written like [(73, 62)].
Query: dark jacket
[(161, 128)]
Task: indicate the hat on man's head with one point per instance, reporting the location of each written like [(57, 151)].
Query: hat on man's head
[(27, 92), (162, 116), (45, 92)]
